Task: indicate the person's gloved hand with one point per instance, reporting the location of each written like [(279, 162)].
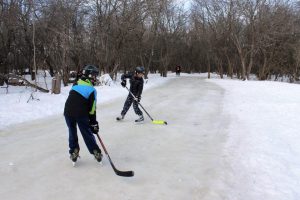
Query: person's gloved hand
[(123, 83), (94, 127), (138, 98)]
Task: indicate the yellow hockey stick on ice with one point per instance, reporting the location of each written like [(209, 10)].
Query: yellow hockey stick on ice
[(153, 121)]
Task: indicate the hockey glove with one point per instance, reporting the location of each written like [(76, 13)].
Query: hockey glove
[(138, 98), (123, 83), (94, 127)]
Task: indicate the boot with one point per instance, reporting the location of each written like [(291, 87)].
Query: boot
[(140, 119), (98, 155)]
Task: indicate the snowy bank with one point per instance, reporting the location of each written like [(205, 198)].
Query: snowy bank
[(263, 144), (14, 108)]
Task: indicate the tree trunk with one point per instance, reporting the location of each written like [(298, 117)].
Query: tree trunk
[(241, 55), (262, 70), (251, 61), (208, 66), (230, 68)]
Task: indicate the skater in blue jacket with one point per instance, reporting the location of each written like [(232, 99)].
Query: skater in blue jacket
[(80, 109)]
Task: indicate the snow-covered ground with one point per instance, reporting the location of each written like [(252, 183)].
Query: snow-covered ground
[(226, 139), (263, 145), (15, 109)]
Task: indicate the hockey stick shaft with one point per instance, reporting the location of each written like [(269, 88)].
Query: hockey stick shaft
[(140, 105), (153, 121), (118, 172)]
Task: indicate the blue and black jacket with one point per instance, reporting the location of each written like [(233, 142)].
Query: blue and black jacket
[(82, 100)]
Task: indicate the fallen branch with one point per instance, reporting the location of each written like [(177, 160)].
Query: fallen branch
[(26, 82)]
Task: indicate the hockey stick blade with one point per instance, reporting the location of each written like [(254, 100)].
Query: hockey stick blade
[(125, 173), (118, 172), (159, 122)]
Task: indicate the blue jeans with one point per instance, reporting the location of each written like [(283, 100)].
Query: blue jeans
[(87, 134)]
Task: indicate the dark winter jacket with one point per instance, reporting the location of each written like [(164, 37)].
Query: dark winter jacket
[(82, 100), (136, 84)]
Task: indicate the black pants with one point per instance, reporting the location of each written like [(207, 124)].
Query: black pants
[(127, 105)]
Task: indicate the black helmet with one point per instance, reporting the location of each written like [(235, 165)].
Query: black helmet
[(140, 70), (90, 72)]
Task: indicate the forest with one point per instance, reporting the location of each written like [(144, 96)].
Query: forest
[(237, 38)]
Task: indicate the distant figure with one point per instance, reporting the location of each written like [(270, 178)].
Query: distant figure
[(178, 70)]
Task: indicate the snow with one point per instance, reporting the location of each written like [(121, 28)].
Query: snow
[(262, 150), (225, 139)]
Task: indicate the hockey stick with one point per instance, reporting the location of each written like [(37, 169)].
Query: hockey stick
[(153, 121), (118, 172)]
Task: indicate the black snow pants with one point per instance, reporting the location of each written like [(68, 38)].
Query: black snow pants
[(127, 105)]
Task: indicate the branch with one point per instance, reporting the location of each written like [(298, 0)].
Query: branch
[(7, 76)]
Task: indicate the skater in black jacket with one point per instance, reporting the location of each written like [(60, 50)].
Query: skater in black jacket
[(136, 88), (80, 109)]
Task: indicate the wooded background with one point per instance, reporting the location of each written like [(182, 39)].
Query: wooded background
[(233, 37)]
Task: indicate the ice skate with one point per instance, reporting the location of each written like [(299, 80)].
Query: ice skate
[(121, 117), (140, 119), (98, 155), (74, 156)]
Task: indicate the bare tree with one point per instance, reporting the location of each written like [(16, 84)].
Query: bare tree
[(230, 37)]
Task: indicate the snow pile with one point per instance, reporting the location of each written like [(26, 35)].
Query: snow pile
[(105, 79)]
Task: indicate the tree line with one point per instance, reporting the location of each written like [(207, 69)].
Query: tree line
[(232, 37)]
